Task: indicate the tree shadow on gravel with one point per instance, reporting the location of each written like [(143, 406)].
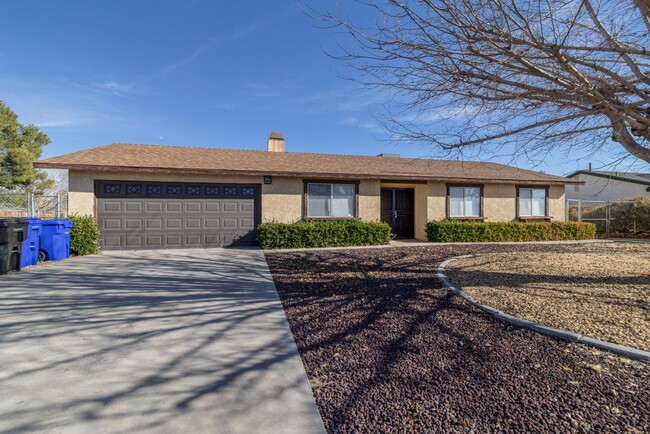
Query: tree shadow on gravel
[(388, 349)]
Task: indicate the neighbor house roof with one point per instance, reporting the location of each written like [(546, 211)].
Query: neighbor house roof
[(633, 177), (178, 159)]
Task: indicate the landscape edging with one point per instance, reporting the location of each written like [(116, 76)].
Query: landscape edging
[(623, 350)]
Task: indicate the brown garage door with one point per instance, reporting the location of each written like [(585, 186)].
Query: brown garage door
[(155, 215)]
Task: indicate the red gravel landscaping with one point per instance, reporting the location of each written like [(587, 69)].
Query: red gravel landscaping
[(386, 348)]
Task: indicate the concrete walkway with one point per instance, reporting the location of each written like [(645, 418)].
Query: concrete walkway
[(191, 341)]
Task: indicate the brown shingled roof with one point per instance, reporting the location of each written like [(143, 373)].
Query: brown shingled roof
[(179, 159)]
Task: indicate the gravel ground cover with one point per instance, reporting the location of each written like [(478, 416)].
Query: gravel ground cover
[(603, 293), (387, 349)]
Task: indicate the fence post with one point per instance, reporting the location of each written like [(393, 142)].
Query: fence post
[(58, 205), (32, 205), (607, 218), (579, 210)]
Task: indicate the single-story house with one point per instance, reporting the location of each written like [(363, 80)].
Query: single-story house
[(151, 196), (601, 185)]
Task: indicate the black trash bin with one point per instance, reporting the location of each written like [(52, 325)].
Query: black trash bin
[(12, 234)]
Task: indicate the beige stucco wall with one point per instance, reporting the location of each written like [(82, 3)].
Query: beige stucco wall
[(282, 200), (370, 200), (557, 203), (499, 202)]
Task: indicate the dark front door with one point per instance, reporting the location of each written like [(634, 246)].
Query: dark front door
[(397, 206)]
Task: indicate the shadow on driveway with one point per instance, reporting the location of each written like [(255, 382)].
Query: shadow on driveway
[(183, 341)]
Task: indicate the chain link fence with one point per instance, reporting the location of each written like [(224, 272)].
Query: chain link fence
[(613, 219), (31, 205)]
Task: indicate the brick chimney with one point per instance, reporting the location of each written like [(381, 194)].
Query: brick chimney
[(275, 143)]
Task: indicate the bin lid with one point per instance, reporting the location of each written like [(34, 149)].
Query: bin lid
[(52, 222), (4, 223)]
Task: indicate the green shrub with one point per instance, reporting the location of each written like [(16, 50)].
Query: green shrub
[(322, 233), (448, 231), (84, 236)]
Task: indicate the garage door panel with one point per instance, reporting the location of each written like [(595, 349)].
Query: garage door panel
[(154, 241), (211, 223), (231, 207), (133, 241), (111, 223), (111, 206), (193, 207), (174, 206), (175, 240), (154, 207), (173, 223), (133, 207), (212, 206), (193, 223), (132, 223), (155, 223)]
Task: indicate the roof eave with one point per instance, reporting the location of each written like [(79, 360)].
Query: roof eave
[(388, 177), (602, 175)]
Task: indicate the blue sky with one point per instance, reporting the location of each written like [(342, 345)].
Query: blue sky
[(190, 73)]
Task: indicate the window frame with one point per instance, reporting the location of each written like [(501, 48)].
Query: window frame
[(546, 189), (305, 202), (481, 216)]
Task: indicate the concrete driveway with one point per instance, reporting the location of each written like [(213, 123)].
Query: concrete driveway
[(175, 341)]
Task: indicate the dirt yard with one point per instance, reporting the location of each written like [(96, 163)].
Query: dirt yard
[(602, 292), (388, 349)]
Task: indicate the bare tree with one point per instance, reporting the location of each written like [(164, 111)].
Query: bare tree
[(535, 74)]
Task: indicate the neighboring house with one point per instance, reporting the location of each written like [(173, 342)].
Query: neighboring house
[(149, 196), (608, 186)]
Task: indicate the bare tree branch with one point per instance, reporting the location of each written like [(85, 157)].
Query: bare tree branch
[(532, 75)]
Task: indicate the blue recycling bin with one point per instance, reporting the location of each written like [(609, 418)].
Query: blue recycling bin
[(55, 240), (29, 253)]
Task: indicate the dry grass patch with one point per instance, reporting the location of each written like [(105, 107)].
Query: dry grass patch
[(601, 291)]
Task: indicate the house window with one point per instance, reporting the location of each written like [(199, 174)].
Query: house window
[(331, 200), (464, 202), (532, 201)]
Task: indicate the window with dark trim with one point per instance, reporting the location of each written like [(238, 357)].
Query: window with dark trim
[(230, 191), (464, 201), (330, 200), (212, 191), (532, 201)]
